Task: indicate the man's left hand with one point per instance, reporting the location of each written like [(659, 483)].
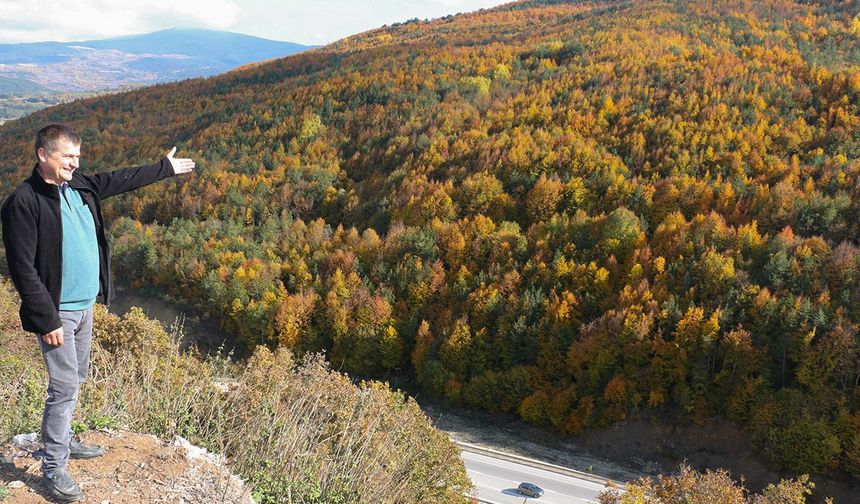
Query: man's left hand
[(180, 165)]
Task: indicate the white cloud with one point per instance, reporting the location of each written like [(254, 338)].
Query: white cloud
[(304, 21), (65, 20), (324, 21)]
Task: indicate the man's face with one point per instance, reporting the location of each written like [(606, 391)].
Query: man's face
[(57, 167)]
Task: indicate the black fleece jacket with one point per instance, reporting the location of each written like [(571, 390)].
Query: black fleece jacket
[(33, 236)]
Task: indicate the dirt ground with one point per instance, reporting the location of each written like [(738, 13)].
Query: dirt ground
[(136, 468), (629, 450)]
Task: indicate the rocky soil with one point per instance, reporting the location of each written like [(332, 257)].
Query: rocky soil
[(136, 468)]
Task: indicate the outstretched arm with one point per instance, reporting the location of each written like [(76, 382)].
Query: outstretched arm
[(107, 184)]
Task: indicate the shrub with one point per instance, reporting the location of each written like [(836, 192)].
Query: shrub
[(710, 486), (807, 445), (298, 432)]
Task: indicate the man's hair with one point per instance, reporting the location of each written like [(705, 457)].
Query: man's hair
[(50, 136)]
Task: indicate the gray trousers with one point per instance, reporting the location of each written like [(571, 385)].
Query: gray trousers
[(67, 369)]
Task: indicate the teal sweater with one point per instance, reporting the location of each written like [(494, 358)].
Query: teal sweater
[(80, 252)]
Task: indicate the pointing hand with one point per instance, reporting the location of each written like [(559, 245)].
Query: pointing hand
[(180, 165)]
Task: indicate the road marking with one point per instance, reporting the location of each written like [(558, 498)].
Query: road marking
[(495, 481), (519, 460), (565, 497)]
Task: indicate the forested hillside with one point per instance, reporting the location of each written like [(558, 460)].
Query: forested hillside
[(580, 212)]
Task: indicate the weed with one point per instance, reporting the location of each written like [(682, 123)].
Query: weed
[(79, 427)]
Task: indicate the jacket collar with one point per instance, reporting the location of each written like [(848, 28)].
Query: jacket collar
[(42, 187), (78, 183), (50, 190)]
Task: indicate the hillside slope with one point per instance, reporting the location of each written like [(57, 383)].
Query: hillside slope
[(580, 212), (293, 429)]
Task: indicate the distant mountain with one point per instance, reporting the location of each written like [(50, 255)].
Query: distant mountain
[(162, 56), (39, 53), (11, 85), (226, 48)]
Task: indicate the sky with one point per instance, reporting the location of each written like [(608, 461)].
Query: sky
[(311, 22)]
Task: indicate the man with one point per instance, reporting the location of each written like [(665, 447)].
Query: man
[(58, 259)]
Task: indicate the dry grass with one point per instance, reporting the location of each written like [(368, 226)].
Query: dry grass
[(298, 432)]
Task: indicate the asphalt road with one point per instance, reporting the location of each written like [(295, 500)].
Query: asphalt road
[(496, 482)]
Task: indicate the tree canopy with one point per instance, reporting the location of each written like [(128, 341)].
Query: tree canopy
[(575, 211)]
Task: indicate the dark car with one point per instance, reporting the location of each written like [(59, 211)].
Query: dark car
[(530, 489)]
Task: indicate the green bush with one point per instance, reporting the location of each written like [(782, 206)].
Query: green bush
[(807, 445)]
